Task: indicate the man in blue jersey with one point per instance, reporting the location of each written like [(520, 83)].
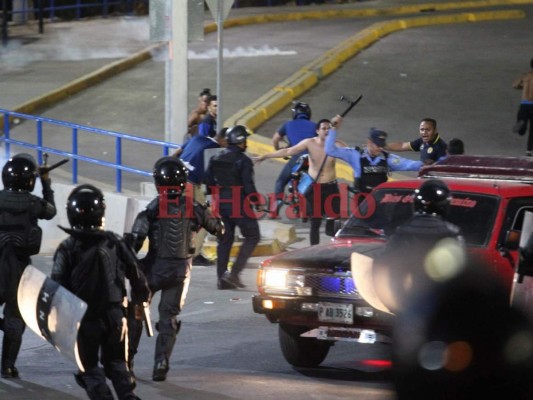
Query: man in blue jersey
[(371, 165), (208, 125), (293, 132)]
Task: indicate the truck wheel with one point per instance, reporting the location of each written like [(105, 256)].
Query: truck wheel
[(301, 351)]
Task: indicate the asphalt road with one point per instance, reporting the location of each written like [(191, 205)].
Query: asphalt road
[(223, 351)]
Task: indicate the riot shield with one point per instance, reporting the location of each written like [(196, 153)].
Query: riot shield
[(522, 290), (51, 311)]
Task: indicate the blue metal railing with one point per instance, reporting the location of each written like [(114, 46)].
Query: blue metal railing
[(74, 154)]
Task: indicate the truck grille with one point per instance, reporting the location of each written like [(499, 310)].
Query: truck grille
[(338, 284)]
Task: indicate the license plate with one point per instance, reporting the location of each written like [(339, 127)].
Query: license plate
[(334, 312)]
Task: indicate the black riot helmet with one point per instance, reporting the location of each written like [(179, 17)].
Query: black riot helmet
[(86, 208), (237, 134), (19, 173), (170, 175), (433, 197), (301, 108)]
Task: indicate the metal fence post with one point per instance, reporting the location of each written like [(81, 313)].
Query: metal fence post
[(118, 161), (75, 152)]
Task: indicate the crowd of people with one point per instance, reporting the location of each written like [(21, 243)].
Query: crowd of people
[(96, 264)]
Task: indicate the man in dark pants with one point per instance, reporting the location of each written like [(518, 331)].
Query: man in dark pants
[(230, 178), (170, 222), (20, 238), (524, 117), (93, 264), (323, 199)]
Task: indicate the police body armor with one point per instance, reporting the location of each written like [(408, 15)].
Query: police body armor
[(16, 226), (85, 280), (225, 171), (372, 175), (169, 236)]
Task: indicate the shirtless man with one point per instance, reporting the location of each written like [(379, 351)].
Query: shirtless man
[(197, 114), (323, 204)]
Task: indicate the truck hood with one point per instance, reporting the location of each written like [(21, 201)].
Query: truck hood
[(325, 255)]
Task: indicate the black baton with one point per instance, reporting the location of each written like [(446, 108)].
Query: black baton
[(352, 104), (44, 170)]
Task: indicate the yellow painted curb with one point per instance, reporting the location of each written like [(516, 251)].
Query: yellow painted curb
[(333, 58), (114, 68), (264, 248), (298, 83)]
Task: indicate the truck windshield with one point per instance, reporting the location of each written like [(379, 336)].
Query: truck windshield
[(388, 208)]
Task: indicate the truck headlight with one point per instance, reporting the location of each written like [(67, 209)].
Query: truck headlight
[(276, 278), (283, 281)]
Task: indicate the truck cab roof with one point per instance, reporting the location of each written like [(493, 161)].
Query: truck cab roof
[(481, 167)]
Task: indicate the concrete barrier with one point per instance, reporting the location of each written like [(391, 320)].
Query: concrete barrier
[(121, 211)]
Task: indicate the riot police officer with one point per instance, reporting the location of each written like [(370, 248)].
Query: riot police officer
[(20, 238), (230, 178), (405, 259), (93, 264), (170, 222)]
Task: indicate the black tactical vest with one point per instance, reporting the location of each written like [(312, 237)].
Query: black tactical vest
[(225, 171), (372, 175), (18, 226), (170, 232)]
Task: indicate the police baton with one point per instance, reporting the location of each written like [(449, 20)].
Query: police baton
[(352, 104), (44, 169), (146, 318)]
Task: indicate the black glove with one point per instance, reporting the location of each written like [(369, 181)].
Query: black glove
[(220, 229), (141, 294)]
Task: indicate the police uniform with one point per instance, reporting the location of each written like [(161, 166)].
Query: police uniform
[(429, 152), (20, 238), (231, 173), (368, 171), (100, 282), (169, 223)]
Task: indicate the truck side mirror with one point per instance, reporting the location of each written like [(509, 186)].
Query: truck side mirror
[(332, 226), (512, 239)]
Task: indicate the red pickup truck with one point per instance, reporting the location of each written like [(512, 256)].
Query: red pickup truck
[(310, 292)]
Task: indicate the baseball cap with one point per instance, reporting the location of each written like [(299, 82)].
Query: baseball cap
[(377, 137)]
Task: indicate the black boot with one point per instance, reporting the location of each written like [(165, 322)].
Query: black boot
[(160, 370), (10, 351), (10, 372)]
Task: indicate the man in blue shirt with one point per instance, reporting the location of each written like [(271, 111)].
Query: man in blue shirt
[(293, 132), (371, 165), (429, 144), (208, 125), (197, 152)]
